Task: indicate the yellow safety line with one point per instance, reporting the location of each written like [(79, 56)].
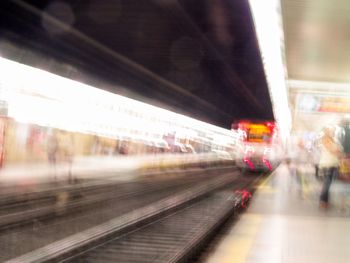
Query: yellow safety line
[(264, 186), (236, 247)]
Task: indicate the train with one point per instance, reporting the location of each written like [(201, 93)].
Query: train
[(262, 147)]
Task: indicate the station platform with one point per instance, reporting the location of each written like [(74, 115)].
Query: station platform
[(284, 224), (81, 167), (87, 168)]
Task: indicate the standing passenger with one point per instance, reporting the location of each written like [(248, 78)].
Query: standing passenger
[(330, 151)]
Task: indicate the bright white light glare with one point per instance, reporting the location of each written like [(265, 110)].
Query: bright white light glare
[(39, 97), (269, 31)]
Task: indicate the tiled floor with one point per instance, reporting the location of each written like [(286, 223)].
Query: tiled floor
[(284, 225)]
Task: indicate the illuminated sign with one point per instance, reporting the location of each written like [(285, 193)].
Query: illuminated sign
[(321, 103), (257, 132)]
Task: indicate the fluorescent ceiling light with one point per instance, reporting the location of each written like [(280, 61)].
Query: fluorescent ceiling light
[(269, 30)]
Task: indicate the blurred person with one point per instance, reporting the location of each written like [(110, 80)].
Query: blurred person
[(292, 163), (66, 147), (299, 160), (96, 146), (52, 150), (315, 157), (344, 173), (330, 153), (124, 148), (345, 135), (303, 161)]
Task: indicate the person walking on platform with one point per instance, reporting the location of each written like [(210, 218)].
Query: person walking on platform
[(330, 153)]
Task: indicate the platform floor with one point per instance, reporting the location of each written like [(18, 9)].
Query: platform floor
[(82, 167), (285, 225)]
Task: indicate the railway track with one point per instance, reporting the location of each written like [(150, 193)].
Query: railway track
[(169, 239), (166, 231), (31, 207)]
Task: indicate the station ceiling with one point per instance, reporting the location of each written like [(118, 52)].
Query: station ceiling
[(317, 39), (199, 58), (317, 48)]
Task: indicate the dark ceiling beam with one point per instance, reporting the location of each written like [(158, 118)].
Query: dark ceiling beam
[(118, 57)]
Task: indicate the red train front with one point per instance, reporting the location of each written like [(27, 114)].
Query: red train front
[(262, 146)]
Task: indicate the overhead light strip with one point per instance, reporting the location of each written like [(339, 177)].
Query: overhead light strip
[(269, 30)]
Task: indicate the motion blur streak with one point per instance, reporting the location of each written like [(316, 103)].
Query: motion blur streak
[(47, 99), (48, 117)]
